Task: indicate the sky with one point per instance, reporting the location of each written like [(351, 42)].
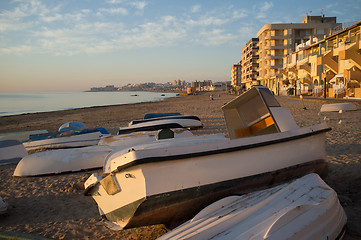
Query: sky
[(73, 45)]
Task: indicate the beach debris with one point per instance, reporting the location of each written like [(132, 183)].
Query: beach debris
[(3, 206), (340, 111), (326, 118), (340, 122)]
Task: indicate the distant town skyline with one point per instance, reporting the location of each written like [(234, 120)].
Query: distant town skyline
[(75, 45)]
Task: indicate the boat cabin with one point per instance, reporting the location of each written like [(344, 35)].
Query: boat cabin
[(256, 112)]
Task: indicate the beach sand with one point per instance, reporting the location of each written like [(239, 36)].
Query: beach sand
[(55, 207)]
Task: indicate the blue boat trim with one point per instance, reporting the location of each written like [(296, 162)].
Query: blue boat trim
[(149, 128), (134, 122), (157, 115), (9, 143)]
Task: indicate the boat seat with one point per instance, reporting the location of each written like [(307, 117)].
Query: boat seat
[(165, 133), (255, 128)]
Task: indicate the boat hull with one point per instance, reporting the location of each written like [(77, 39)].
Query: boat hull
[(62, 161), (11, 151), (336, 107), (81, 140), (306, 208), (174, 208), (173, 189)]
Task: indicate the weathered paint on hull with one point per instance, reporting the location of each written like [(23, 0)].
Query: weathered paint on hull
[(173, 208)]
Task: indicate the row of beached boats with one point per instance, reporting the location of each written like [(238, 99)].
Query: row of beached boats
[(260, 182), (76, 148)]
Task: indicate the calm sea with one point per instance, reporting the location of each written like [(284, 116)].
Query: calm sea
[(19, 103)]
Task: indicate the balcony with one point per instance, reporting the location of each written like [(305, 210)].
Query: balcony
[(277, 56), (277, 46), (291, 65), (329, 61), (304, 61), (276, 66), (275, 37)]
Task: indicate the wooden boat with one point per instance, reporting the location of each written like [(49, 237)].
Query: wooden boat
[(306, 208), (80, 159), (11, 151), (162, 121), (336, 107), (71, 134), (171, 180)]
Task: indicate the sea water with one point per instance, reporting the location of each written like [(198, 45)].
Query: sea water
[(19, 103)]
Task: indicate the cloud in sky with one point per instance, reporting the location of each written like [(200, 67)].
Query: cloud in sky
[(101, 41), (56, 30), (62, 28), (263, 10), (195, 8)]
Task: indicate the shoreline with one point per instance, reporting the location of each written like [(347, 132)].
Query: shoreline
[(100, 99), (54, 206)]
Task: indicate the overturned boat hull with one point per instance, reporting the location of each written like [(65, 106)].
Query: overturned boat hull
[(80, 140), (306, 208), (171, 183), (157, 123), (62, 161), (336, 107)]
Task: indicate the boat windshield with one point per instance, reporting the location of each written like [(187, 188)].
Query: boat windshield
[(269, 98), (249, 114)]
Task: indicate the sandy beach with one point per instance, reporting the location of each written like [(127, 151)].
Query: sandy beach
[(54, 206)]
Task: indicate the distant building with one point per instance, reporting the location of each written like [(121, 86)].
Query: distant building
[(236, 75), (108, 88), (250, 63), (278, 40)]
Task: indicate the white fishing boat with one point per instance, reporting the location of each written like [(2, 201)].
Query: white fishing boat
[(84, 158), (306, 208), (171, 180), (336, 107), (11, 151), (162, 121), (71, 134)]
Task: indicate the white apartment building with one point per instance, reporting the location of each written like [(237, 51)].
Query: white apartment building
[(278, 40)]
